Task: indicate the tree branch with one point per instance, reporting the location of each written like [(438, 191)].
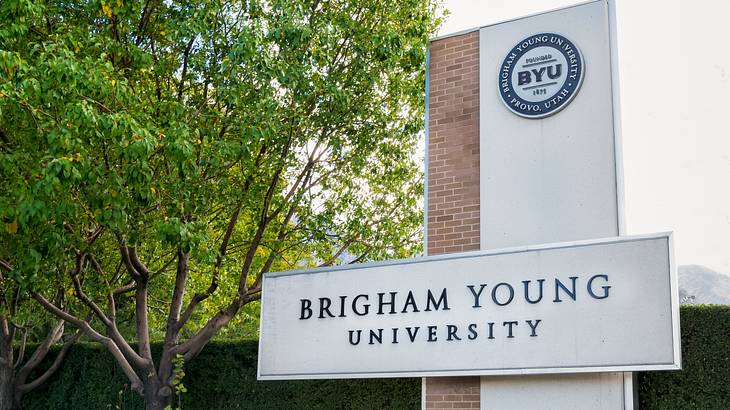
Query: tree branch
[(4, 137), (138, 265), (81, 295), (140, 274), (40, 352), (24, 388), (171, 332), (199, 297), (282, 230), (135, 381), (124, 289), (184, 72), (143, 329), (143, 21), (127, 260), (6, 343), (195, 344), (21, 351), (264, 219), (352, 239), (139, 361), (95, 235), (5, 339)]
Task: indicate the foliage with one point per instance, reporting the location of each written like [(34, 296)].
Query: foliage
[(99, 129), (178, 372), (160, 157), (223, 378), (703, 381)]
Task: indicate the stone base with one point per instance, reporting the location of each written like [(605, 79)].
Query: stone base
[(589, 391)]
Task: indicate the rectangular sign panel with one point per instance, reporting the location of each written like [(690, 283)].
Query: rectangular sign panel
[(559, 308), (548, 165)]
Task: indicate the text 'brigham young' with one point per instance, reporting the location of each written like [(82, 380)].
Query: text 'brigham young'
[(481, 295)]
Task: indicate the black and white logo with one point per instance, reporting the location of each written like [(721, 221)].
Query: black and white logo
[(541, 75)]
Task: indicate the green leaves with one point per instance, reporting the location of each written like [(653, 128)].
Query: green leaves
[(187, 236), (156, 124)]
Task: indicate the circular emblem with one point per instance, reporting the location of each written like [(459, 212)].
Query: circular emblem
[(540, 75)]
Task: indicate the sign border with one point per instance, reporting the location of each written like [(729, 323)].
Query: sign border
[(676, 363)]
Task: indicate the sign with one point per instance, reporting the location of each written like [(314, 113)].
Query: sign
[(557, 178), (540, 75), (554, 179), (559, 308)]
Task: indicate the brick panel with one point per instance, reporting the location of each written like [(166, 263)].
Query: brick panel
[(453, 151), (452, 393), (453, 179)]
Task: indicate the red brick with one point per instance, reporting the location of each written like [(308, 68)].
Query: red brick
[(453, 178)]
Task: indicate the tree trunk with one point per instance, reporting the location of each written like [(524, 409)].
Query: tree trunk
[(153, 400), (7, 388)]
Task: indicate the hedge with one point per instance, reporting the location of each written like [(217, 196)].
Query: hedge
[(704, 381), (224, 377)]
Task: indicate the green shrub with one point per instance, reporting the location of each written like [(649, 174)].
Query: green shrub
[(224, 377), (704, 382)]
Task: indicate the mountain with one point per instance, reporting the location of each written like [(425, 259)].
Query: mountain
[(704, 284)]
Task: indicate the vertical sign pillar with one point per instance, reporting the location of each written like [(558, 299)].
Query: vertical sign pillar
[(506, 176), (453, 179)]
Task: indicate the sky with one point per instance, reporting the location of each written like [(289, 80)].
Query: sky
[(674, 74)]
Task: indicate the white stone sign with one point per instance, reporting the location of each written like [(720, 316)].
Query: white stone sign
[(589, 306), (556, 178), (555, 175)]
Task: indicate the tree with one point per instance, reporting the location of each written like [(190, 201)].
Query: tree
[(15, 370), (161, 157)]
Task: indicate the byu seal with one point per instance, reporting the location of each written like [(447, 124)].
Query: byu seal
[(540, 75)]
